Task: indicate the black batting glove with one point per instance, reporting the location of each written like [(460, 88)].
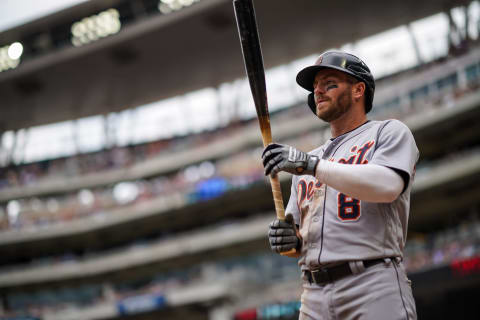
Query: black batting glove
[(280, 157), (282, 235)]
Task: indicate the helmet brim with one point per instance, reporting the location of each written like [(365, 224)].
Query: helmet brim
[(307, 75)]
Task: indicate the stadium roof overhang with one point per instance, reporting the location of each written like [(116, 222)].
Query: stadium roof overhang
[(161, 56)]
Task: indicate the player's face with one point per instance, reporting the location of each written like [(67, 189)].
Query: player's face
[(333, 96)]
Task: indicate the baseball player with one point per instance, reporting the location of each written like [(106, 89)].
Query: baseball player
[(348, 210)]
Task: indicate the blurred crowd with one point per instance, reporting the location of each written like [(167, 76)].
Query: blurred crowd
[(430, 250), (196, 183), (109, 159), (422, 252)]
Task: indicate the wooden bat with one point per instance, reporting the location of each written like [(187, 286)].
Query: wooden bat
[(252, 56)]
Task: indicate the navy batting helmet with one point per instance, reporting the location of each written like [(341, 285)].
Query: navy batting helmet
[(341, 61)]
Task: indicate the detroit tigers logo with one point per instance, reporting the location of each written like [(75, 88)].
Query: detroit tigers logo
[(308, 200), (357, 154), (306, 191)]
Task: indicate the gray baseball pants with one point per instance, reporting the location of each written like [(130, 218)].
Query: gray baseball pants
[(381, 292)]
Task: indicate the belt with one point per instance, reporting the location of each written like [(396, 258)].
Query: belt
[(325, 275)]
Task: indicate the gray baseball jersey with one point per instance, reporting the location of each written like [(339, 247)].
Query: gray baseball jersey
[(336, 227)]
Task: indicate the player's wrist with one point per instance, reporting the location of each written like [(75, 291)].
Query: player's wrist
[(312, 162)]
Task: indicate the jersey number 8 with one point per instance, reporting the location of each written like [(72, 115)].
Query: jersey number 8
[(348, 208)]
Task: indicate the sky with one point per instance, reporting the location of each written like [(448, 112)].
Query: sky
[(387, 52)]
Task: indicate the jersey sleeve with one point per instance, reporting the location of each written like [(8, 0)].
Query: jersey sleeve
[(396, 149), (292, 206)]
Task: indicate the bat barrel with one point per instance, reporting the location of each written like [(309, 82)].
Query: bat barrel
[(252, 53)]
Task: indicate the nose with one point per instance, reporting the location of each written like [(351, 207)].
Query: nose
[(318, 88)]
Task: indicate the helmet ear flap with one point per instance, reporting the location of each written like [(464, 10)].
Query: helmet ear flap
[(368, 100), (311, 103)]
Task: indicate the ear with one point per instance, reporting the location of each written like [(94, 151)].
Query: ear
[(358, 90)]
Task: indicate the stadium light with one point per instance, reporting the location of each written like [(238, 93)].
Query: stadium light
[(95, 27), (10, 56), (15, 50), (168, 6)]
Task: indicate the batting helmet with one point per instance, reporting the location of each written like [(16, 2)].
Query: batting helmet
[(341, 61)]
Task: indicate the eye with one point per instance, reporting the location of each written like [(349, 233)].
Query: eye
[(330, 85)]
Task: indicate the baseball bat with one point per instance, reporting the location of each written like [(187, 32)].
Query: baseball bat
[(252, 56)]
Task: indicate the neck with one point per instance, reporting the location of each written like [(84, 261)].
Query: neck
[(347, 122)]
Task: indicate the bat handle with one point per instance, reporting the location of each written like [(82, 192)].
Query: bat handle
[(279, 209), (277, 197)]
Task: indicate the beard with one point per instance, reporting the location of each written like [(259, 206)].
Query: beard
[(337, 108)]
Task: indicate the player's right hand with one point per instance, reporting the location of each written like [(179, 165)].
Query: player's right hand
[(282, 235), (281, 157)]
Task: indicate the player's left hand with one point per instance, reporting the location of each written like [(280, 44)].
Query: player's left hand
[(282, 235), (280, 157)]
